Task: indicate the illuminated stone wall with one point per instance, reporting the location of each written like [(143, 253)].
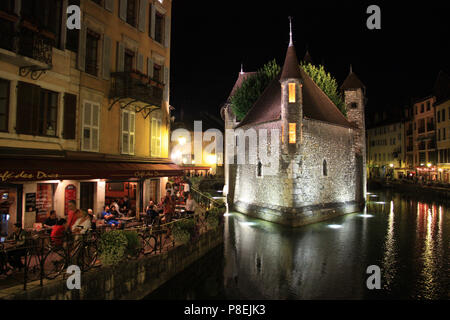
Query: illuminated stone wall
[(300, 193)]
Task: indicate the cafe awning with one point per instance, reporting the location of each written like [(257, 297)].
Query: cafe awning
[(42, 169)]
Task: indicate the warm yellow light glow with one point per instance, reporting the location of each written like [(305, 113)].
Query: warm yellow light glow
[(391, 165), (182, 140), (440, 169), (282, 133), (292, 132), (428, 164), (211, 159), (291, 92)]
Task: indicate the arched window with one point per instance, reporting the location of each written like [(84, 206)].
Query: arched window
[(324, 167), (259, 169)]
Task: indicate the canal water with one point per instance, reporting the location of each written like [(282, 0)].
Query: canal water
[(407, 236)]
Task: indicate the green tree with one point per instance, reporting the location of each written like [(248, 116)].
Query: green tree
[(326, 82), (252, 87)]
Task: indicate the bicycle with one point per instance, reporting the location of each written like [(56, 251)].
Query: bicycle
[(148, 241), (81, 252)]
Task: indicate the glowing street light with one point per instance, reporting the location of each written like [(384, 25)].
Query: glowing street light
[(391, 165), (182, 141), (429, 164)]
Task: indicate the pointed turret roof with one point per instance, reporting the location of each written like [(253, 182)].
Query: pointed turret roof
[(352, 82), (307, 58), (291, 66), (241, 77)]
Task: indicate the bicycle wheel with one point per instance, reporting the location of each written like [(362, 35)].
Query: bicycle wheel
[(88, 255), (54, 262), (33, 263), (149, 244)]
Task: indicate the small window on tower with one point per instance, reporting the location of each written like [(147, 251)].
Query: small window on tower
[(292, 128), (324, 168), (353, 105), (291, 92), (259, 169)]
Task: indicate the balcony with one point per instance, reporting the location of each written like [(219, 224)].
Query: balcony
[(26, 47), (137, 87)]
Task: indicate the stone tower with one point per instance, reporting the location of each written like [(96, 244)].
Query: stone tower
[(291, 102), (354, 97)]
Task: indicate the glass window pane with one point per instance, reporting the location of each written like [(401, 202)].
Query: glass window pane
[(94, 140), (87, 139)]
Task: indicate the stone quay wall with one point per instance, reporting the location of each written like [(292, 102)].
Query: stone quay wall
[(131, 279)]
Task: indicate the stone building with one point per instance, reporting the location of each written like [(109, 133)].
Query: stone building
[(84, 114), (322, 153)]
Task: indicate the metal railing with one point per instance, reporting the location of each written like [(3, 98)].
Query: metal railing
[(135, 86), (45, 257)]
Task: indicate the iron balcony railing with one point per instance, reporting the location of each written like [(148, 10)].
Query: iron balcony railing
[(137, 87), (26, 42)]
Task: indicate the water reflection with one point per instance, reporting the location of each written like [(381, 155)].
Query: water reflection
[(407, 236)]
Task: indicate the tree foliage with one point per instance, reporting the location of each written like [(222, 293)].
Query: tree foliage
[(326, 82), (252, 87)]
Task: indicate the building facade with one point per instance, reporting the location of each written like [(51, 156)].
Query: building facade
[(320, 170), (442, 92), (424, 138), (84, 113), (386, 151)]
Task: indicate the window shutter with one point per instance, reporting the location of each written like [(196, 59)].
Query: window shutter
[(123, 9), (70, 116), (82, 48), (167, 26), (95, 126), (153, 21), (120, 56), (150, 68), (166, 84), (109, 5), (106, 57), (142, 15), (27, 99), (125, 129), (132, 130), (87, 117), (140, 63)]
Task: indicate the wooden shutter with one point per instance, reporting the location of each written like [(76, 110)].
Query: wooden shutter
[(152, 21), (27, 107), (132, 131), (95, 126), (167, 21), (82, 48), (123, 9), (140, 63), (142, 15), (120, 56), (70, 116), (150, 68), (125, 140), (106, 57), (166, 84), (109, 5)]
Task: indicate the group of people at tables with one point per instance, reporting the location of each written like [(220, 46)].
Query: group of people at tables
[(164, 211)]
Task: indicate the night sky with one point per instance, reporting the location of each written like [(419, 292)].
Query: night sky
[(210, 40)]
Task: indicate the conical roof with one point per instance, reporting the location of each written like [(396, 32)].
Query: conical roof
[(352, 82), (291, 66), (307, 58)]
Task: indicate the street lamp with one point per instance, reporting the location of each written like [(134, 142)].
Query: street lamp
[(429, 164)]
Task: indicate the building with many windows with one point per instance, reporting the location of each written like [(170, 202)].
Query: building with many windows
[(442, 92), (84, 114), (385, 151), (424, 137)]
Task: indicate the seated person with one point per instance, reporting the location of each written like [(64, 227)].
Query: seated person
[(151, 211), (18, 237), (57, 234), (83, 224), (51, 220), (110, 216)]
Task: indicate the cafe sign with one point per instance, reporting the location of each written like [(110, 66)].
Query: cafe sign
[(26, 175)]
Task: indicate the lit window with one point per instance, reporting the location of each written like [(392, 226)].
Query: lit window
[(292, 132), (291, 92)]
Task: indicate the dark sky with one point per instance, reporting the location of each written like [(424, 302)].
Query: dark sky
[(210, 39)]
